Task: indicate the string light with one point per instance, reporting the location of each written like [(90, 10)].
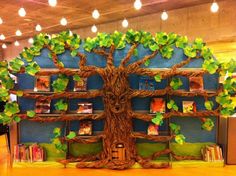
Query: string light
[(4, 46), (95, 14), (52, 3), (137, 4), (2, 37), (17, 43), (1, 21), (38, 27), (18, 33), (63, 22), (22, 12), (94, 28), (214, 7), (31, 40), (164, 15), (125, 23)]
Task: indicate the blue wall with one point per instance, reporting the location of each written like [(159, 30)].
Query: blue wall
[(190, 127)]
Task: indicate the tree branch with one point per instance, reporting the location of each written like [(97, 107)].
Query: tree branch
[(126, 59), (101, 52), (181, 64), (83, 139), (147, 164), (70, 95), (110, 57), (151, 137), (62, 117), (158, 154)]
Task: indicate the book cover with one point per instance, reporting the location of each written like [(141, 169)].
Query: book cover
[(42, 84), (189, 106), (85, 127), (80, 85), (153, 129), (42, 106), (146, 83), (196, 83), (85, 108), (16, 156), (157, 105)]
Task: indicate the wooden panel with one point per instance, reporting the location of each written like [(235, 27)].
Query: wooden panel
[(231, 154), (13, 138)]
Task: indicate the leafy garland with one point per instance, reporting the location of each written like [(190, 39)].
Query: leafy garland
[(165, 43)]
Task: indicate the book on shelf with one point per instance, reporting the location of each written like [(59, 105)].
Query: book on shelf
[(85, 108), (42, 106), (85, 127), (157, 105), (80, 85), (146, 83), (31, 153), (153, 129), (189, 106), (196, 83), (42, 84), (212, 153)]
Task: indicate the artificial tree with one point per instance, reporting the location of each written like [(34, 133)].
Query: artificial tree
[(116, 91)]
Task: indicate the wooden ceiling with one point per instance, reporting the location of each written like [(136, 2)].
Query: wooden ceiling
[(77, 13)]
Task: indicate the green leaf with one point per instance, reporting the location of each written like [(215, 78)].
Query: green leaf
[(30, 113), (60, 84), (16, 118), (181, 42), (208, 124), (147, 63), (157, 78), (153, 46), (198, 44), (167, 51), (176, 83), (57, 132), (76, 78), (209, 105), (11, 108), (210, 65), (161, 38), (19, 93), (180, 139), (190, 51), (61, 105), (71, 135), (158, 120), (136, 52), (16, 64), (172, 105), (175, 128), (206, 53), (32, 68), (4, 93), (90, 44)]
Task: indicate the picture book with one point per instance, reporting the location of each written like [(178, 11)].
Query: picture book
[(85, 108), (196, 83), (146, 83), (42, 106), (157, 105), (152, 129), (80, 85), (85, 127), (189, 106), (42, 84)]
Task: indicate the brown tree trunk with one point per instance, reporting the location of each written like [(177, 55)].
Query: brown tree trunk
[(118, 145)]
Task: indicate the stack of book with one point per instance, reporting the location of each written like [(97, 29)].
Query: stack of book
[(32, 153), (212, 153)]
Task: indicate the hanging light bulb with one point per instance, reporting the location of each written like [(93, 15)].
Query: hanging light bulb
[(63, 22), (2, 37), (22, 12), (94, 28), (4, 46), (95, 14), (31, 40), (52, 3), (1, 21), (137, 4), (125, 23), (18, 33), (38, 27), (214, 7), (17, 43), (164, 15)]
